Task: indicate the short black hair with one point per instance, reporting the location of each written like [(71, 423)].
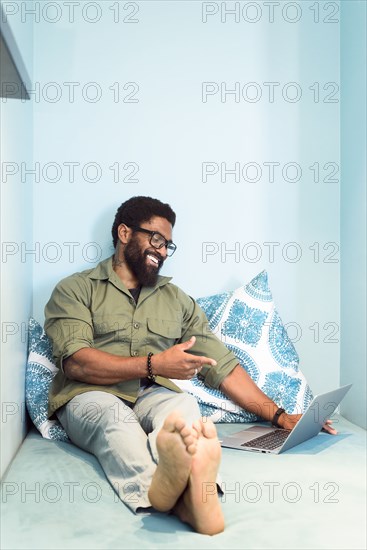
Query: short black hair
[(138, 210)]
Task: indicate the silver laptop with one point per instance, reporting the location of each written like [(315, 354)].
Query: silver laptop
[(262, 439)]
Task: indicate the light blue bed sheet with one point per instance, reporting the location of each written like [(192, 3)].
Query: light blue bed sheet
[(313, 496)]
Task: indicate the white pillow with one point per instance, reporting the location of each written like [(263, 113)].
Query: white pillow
[(248, 323)]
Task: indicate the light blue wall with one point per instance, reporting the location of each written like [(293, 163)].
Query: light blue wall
[(353, 208), (170, 132), (16, 270)]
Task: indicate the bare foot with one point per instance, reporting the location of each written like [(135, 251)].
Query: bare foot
[(199, 505), (176, 445)]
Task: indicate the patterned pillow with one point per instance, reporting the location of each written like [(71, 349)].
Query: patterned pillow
[(249, 325), (40, 372)]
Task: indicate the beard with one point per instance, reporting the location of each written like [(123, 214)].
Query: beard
[(136, 260)]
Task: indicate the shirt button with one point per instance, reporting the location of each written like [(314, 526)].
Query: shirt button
[(134, 354), (136, 325)]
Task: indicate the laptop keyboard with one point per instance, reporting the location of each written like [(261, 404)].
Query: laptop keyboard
[(270, 441)]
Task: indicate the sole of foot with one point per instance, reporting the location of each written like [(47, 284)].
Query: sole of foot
[(199, 505), (176, 445)]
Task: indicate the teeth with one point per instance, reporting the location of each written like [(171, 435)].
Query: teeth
[(153, 259)]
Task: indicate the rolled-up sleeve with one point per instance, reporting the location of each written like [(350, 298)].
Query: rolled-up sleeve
[(195, 323), (68, 320)]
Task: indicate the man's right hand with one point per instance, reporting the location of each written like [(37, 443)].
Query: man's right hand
[(176, 363)]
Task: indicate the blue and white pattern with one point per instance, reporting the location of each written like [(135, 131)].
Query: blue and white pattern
[(215, 404), (282, 348), (307, 398), (244, 417), (283, 389), (259, 289), (244, 323), (40, 372), (246, 362), (251, 328), (214, 307)]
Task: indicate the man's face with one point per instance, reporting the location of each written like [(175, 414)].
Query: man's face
[(141, 257)]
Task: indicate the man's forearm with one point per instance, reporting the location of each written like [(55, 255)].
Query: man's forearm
[(240, 387), (94, 366)]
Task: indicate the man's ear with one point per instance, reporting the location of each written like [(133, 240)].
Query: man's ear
[(123, 232)]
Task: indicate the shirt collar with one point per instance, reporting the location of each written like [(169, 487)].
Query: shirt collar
[(104, 271)]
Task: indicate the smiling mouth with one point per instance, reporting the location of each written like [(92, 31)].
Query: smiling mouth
[(153, 260)]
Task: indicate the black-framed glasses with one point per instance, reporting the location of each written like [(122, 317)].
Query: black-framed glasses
[(157, 240)]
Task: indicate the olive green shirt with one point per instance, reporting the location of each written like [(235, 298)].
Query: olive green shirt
[(94, 309)]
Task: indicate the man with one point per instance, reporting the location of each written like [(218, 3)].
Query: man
[(120, 333)]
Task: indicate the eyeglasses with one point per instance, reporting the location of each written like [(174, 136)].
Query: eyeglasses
[(157, 240)]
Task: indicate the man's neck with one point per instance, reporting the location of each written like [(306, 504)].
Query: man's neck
[(123, 272)]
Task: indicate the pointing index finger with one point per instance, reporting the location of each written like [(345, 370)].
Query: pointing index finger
[(202, 360)]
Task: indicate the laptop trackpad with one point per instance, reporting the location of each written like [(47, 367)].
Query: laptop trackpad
[(247, 434)]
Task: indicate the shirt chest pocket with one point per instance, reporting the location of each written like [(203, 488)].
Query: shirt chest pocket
[(110, 330), (162, 333)]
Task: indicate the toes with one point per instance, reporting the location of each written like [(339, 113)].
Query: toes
[(180, 424), (191, 449), (185, 431), (197, 427), (202, 427), (190, 442), (174, 422), (208, 429)]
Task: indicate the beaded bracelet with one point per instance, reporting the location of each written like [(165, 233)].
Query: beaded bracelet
[(151, 376)]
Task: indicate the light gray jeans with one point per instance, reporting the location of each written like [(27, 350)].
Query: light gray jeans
[(122, 435)]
